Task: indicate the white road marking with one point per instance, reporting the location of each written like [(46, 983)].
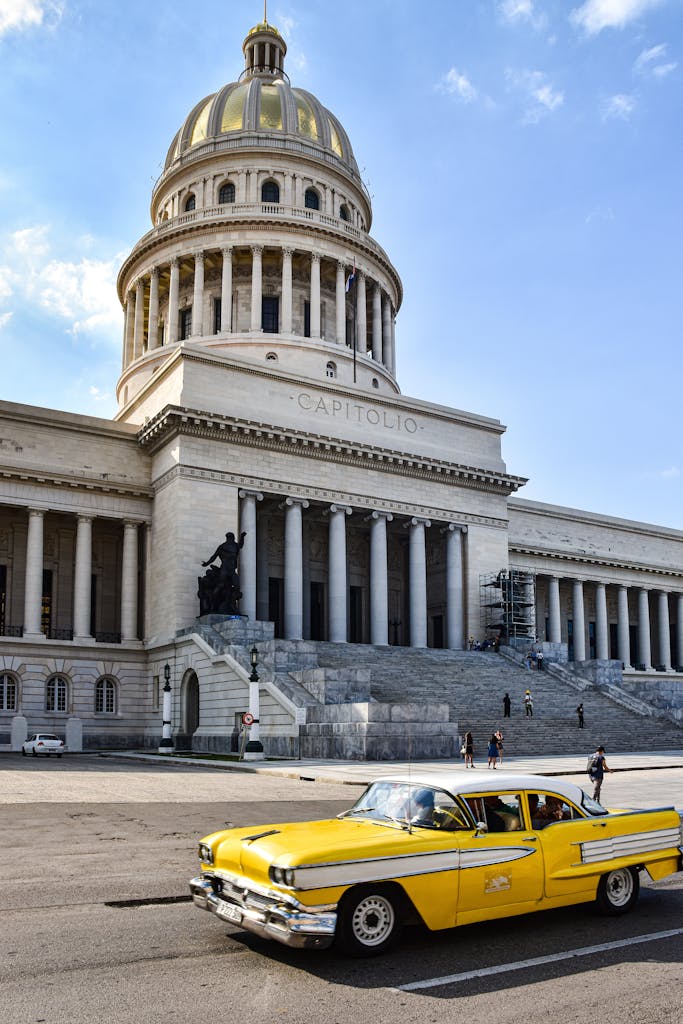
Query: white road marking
[(520, 965)]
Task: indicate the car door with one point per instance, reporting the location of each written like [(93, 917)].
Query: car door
[(501, 870)]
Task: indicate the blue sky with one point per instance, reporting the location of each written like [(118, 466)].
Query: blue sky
[(525, 162)]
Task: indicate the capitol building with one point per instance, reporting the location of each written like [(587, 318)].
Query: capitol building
[(259, 395)]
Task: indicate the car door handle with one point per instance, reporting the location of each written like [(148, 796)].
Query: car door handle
[(599, 824), (530, 839)]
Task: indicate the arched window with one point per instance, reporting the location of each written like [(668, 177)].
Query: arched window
[(331, 369), (271, 357), (344, 212), (311, 199), (227, 193), (375, 382), (270, 192), (190, 204), (9, 690), (105, 696), (57, 694)]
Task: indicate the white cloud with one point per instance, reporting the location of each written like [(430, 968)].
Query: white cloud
[(98, 395), (540, 96), (5, 319), (619, 107), (653, 62), (600, 213), (515, 11), (594, 15), (455, 83), (82, 293), (670, 474), (20, 15)]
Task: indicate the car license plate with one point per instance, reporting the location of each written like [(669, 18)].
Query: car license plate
[(229, 912)]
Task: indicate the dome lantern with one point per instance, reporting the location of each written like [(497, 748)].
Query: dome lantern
[(264, 52)]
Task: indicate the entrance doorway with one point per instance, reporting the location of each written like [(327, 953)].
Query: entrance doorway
[(190, 704)]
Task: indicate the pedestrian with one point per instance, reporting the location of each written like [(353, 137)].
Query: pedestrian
[(493, 750), (470, 643), (528, 704), (506, 705), (527, 660), (469, 750), (499, 741), (539, 661), (597, 766), (579, 712)]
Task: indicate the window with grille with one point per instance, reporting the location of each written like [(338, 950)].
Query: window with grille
[(190, 204), (8, 692), (105, 696), (227, 193), (270, 192), (185, 325), (56, 694), (270, 305), (311, 199)]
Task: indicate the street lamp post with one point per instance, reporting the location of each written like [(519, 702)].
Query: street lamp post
[(166, 745), (254, 748)]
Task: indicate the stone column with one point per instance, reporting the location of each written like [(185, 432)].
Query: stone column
[(601, 638), (247, 561), (664, 631), (337, 625), (418, 582), (315, 295), (554, 621), (379, 583), (128, 347), (173, 293), (129, 583), (455, 637), (294, 612), (256, 286), (33, 587), (226, 291), (287, 192), (198, 295), (287, 291), (361, 315), (386, 332), (82, 578), (341, 304), (623, 635), (241, 196), (139, 328), (377, 323), (153, 315), (679, 631), (644, 649), (579, 622), (392, 367)]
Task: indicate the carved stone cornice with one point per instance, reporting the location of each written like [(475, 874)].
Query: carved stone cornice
[(574, 558), (173, 420)]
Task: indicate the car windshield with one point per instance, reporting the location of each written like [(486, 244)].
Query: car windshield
[(592, 806), (409, 805)]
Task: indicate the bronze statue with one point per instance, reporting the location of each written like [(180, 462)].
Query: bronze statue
[(219, 589)]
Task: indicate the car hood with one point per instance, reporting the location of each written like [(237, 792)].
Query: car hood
[(251, 851)]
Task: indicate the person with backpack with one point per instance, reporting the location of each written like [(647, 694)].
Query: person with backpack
[(596, 767)]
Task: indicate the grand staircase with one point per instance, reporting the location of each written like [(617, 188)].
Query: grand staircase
[(472, 684)]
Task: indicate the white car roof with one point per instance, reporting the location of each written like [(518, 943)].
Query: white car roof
[(458, 782)]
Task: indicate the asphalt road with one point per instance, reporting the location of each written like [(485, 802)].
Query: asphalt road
[(95, 924)]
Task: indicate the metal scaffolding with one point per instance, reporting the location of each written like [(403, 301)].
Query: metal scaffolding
[(508, 604)]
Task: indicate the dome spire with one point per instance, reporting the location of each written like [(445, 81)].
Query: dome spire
[(264, 51)]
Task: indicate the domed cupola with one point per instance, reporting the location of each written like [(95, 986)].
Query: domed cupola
[(260, 247), (263, 101)]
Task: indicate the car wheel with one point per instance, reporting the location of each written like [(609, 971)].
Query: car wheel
[(23, 752), (59, 755), (369, 921), (34, 752), (618, 891)]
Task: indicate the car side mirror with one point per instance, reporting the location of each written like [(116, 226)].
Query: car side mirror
[(481, 829)]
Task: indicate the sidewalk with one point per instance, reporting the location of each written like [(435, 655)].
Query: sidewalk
[(361, 772)]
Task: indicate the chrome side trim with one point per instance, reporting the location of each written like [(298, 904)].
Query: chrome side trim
[(610, 848)]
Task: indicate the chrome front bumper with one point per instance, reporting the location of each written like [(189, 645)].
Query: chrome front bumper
[(265, 917)]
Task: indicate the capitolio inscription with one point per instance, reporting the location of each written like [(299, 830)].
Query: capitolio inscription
[(355, 412)]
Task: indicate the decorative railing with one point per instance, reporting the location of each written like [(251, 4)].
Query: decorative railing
[(11, 630), (107, 638)]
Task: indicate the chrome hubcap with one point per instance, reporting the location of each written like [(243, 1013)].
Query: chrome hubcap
[(620, 887), (373, 920)]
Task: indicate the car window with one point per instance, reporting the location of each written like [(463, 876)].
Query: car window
[(548, 808), (500, 812), (411, 805)]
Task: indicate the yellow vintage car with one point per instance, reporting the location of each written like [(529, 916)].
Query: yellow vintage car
[(443, 848)]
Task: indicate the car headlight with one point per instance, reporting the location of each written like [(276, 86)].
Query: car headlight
[(205, 853), (282, 876)]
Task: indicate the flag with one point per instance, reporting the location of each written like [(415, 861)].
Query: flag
[(350, 279)]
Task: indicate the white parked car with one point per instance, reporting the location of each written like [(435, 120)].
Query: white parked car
[(43, 743)]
